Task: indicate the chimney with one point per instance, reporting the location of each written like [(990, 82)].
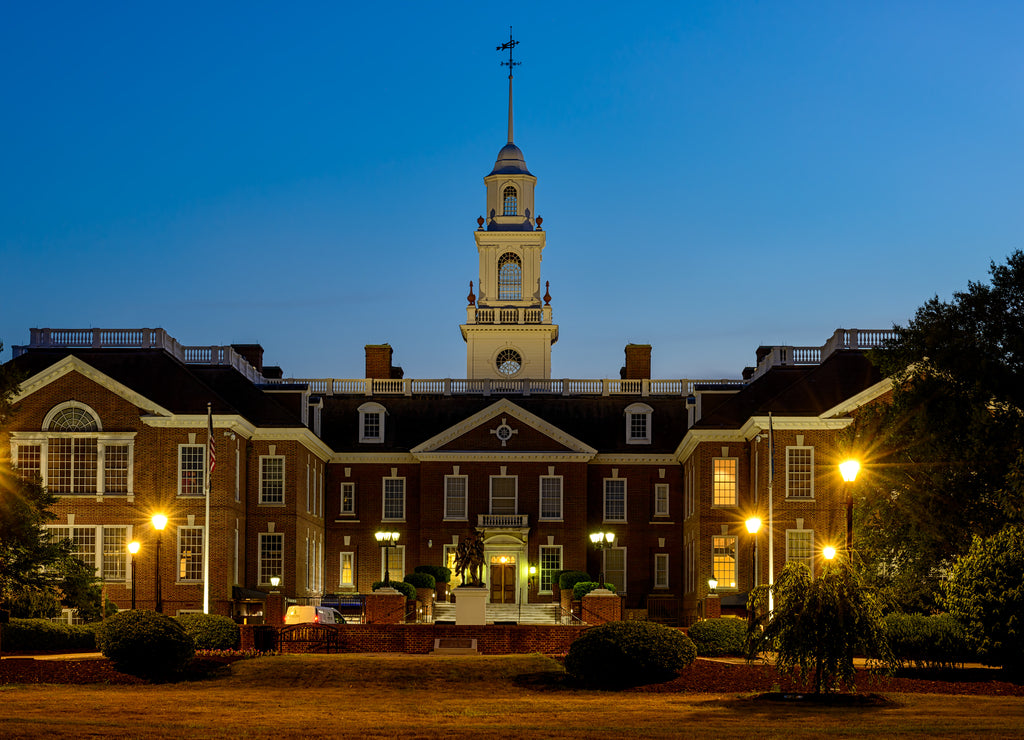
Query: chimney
[(638, 362), (378, 361), (253, 354)]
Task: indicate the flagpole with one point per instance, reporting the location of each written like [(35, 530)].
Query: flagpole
[(210, 463), (771, 519)]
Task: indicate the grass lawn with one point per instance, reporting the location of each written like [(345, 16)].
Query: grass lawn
[(379, 696)]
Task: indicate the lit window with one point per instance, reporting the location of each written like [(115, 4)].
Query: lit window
[(724, 473), (799, 472), (347, 569), (510, 202), (724, 561), (190, 553), (395, 564), (510, 277)]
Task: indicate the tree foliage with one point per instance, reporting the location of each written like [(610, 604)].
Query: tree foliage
[(985, 593), (820, 624), (944, 461)]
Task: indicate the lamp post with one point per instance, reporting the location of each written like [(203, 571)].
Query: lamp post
[(386, 540), (753, 526), (159, 522), (133, 548), (828, 552), (849, 469), (602, 541)]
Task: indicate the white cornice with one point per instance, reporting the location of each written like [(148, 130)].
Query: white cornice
[(624, 458), (695, 436), (245, 429), (71, 364), (866, 396), (759, 424), (503, 406), (534, 238), (370, 458), (502, 457)]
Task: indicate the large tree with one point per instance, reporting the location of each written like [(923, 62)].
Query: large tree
[(943, 460)]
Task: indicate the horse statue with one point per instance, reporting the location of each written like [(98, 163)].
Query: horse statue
[(469, 556)]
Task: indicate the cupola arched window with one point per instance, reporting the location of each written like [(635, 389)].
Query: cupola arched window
[(510, 277), (511, 202)]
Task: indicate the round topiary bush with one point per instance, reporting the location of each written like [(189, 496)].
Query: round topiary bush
[(569, 578), (210, 631), (441, 573), (421, 580), (620, 654), (401, 586), (722, 636), (144, 643)]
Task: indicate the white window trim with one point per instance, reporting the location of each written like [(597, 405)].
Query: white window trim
[(661, 556), (341, 503), (540, 560), (561, 499), (371, 408), (383, 499), (351, 556), (490, 492), (202, 457), (625, 501), (284, 480), (625, 567), (809, 497), (259, 558), (392, 576), (202, 542), (660, 488), (735, 484), (638, 409), (448, 516), (114, 439), (722, 585)]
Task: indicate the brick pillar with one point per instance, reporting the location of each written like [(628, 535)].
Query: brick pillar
[(385, 608), (712, 607), (247, 637), (638, 362), (599, 608), (273, 610)]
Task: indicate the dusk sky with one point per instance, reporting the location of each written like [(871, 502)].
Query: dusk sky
[(712, 175)]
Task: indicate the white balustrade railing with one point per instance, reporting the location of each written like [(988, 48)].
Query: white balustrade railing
[(510, 315), (516, 521)]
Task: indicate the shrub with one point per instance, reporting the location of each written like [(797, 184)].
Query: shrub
[(936, 641), (984, 592), (441, 573), (210, 631), (42, 635), (145, 643), (583, 588), (421, 580), (620, 654), (400, 586), (569, 578), (723, 636)]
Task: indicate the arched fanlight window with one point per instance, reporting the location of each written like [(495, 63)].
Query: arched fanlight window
[(509, 362), (511, 202), (510, 277), (73, 419)]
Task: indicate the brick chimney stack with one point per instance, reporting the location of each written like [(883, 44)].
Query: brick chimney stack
[(638, 362), (378, 361)]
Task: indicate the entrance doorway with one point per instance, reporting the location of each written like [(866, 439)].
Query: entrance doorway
[(503, 579)]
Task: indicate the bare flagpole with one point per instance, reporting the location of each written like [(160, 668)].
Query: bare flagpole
[(211, 463)]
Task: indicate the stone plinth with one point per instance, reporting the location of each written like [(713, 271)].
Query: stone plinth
[(601, 606), (385, 606), (471, 605)]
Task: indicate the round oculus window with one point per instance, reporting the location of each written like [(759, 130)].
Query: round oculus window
[(509, 362), (504, 432)]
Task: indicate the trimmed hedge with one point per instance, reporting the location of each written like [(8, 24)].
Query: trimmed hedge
[(145, 643), (568, 579), (722, 636), (621, 654), (583, 588), (421, 580), (441, 573), (401, 586), (42, 635), (937, 641), (210, 631)]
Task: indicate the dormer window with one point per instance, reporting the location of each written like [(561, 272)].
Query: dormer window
[(510, 277), (371, 423), (511, 202), (638, 424)]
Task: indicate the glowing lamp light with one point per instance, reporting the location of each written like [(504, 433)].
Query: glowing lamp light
[(829, 552), (712, 584), (753, 524), (133, 547), (159, 521), (275, 581), (849, 469)]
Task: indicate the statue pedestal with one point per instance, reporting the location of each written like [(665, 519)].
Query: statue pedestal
[(471, 605)]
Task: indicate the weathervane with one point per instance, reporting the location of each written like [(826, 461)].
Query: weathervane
[(512, 43)]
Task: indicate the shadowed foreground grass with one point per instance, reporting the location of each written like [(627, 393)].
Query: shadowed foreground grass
[(379, 696)]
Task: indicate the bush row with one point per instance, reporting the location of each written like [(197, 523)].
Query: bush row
[(937, 641), (20, 635)]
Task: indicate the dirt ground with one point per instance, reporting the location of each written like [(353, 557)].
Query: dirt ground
[(380, 696)]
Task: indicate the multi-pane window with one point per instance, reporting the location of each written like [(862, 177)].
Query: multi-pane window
[(271, 479), (72, 465), (29, 459), (395, 563), (115, 468), (724, 479), (348, 569), (723, 557), (661, 570), (394, 499), (271, 556), (615, 500), (191, 467), (371, 423), (661, 499), (551, 497), (102, 548), (115, 553), (348, 499), (638, 423), (800, 547), (510, 277), (615, 568), (510, 206), (503, 494), (550, 563), (800, 472), (455, 506), (190, 553)]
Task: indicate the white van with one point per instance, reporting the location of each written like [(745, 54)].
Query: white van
[(313, 615)]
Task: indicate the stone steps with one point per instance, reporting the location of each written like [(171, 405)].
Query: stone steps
[(526, 614)]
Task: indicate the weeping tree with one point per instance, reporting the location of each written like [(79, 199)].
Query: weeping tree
[(818, 626)]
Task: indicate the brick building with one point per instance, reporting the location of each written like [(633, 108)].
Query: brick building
[(308, 470)]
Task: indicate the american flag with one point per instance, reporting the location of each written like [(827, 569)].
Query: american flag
[(211, 444)]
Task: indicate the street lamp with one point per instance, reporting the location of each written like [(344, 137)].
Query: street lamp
[(133, 548), (386, 540), (849, 469), (828, 552), (753, 526), (159, 522), (602, 541), (712, 584), (275, 581)]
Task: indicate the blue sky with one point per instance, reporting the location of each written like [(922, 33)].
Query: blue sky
[(712, 176)]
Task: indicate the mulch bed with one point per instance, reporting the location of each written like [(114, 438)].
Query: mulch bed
[(91, 670)]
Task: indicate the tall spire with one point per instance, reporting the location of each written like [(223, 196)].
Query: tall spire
[(512, 43)]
